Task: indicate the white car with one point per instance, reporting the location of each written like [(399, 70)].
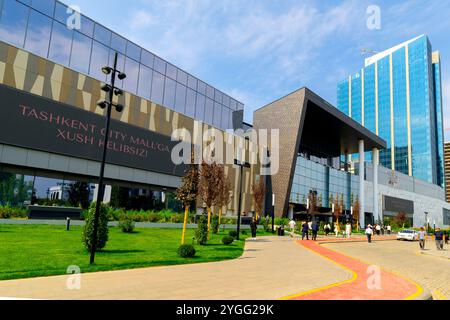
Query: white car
[(410, 235)]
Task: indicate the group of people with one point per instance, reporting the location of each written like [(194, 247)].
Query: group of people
[(379, 230), (440, 238), (308, 228)]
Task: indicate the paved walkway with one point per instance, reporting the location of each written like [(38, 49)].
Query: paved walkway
[(364, 284), (269, 269)]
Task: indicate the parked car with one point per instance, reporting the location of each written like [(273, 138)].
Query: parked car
[(410, 235)]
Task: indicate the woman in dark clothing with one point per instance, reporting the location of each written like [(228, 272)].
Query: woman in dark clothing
[(253, 227)]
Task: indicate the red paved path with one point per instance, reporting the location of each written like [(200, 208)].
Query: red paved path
[(393, 287)]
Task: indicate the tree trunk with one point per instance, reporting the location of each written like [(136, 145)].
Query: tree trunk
[(186, 215), (220, 216), (209, 222)]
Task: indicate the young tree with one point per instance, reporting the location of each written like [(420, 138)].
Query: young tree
[(258, 191), (337, 208), (312, 197), (79, 194), (356, 209), (209, 180), (224, 195), (187, 193), (400, 219)]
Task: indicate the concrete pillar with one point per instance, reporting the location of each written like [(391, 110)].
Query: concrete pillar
[(361, 185), (375, 162)]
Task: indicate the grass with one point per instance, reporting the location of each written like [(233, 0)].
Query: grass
[(41, 250)]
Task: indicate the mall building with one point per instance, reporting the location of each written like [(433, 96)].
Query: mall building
[(51, 126)]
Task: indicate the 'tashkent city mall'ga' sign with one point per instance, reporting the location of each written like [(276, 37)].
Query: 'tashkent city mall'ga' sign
[(34, 122)]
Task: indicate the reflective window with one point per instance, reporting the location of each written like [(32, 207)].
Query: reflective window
[(217, 119), (182, 77), (13, 22), (226, 101), (210, 92), (147, 58), (87, 26), (132, 72), (102, 34), (61, 14), (100, 56), (38, 33), (44, 6), (118, 43), (225, 118), (180, 100), (233, 104), (160, 65), (171, 71), (201, 87), (192, 82), (133, 51), (209, 110), (157, 87), (145, 82), (81, 48), (200, 106), (190, 102), (60, 44), (218, 96), (169, 93), (240, 106)]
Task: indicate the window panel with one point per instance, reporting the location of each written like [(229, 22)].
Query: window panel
[(145, 82), (87, 26), (100, 57), (133, 51), (200, 107), (38, 34), (44, 6), (147, 58), (217, 119), (171, 71), (180, 100), (192, 82), (225, 118), (61, 13), (132, 72), (182, 77), (209, 110), (169, 93), (81, 49), (13, 22), (226, 101), (160, 65), (118, 43), (190, 102), (60, 44), (201, 87), (157, 87), (102, 34), (210, 92), (218, 96)]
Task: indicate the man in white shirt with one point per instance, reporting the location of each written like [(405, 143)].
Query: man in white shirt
[(348, 229), (369, 233), (292, 226), (389, 229)]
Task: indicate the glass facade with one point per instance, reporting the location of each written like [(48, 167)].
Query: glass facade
[(39, 26), (409, 64), (311, 176)]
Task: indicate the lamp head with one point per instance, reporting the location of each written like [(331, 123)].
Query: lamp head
[(118, 92), (102, 104), (119, 108), (121, 76), (106, 87), (106, 70)]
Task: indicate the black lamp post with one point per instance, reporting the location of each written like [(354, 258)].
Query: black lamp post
[(108, 104), (241, 165)]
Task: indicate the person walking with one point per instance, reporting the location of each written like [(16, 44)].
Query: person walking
[(310, 227), (327, 229), (253, 227), (378, 229), (305, 231), (336, 229), (389, 229), (382, 230), (348, 230), (369, 233), (446, 234), (292, 227), (439, 238), (422, 236), (315, 230)]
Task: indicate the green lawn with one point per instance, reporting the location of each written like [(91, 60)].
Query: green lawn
[(40, 250)]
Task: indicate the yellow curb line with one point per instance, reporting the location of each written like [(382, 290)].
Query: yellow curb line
[(354, 277), (411, 297)]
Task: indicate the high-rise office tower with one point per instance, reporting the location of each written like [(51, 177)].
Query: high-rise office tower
[(398, 96)]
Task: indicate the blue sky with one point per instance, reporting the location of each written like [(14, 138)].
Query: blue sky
[(260, 50)]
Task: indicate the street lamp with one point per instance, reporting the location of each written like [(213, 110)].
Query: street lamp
[(108, 104), (241, 166)]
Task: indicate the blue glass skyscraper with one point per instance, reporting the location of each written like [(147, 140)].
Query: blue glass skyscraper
[(398, 96)]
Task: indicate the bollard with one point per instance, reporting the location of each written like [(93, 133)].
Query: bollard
[(68, 224)]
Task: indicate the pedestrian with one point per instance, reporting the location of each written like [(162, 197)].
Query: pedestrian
[(446, 234), (315, 230), (253, 227), (336, 229), (327, 229), (305, 230), (292, 226), (369, 233), (310, 227), (382, 230), (348, 230), (439, 238), (378, 229), (422, 236), (389, 229)]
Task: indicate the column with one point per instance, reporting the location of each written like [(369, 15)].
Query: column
[(361, 185), (375, 162)]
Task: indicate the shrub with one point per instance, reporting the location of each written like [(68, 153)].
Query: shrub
[(201, 234), (244, 232), (233, 233), (8, 212), (227, 240), (186, 251), (126, 224), (215, 224), (102, 232)]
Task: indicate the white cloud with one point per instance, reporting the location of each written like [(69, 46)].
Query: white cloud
[(141, 19)]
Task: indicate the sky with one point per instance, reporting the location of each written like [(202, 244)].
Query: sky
[(259, 50)]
